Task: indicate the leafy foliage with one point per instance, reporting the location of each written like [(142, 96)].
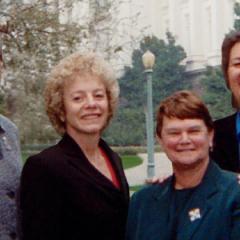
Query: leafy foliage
[(168, 76), (216, 95), (36, 35), (237, 16), (33, 41), (128, 128)]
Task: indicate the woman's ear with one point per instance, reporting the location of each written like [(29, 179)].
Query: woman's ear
[(211, 136)]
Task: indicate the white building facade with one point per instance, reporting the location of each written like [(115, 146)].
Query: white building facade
[(197, 25)]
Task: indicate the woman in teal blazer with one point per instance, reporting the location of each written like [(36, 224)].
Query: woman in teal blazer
[(212, 212), (200, 201)]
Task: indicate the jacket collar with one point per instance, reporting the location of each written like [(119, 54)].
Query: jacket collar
[(78, 160), (197, 207), (71, 148)]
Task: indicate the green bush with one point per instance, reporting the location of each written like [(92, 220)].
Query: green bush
[(35, 147), (129, 150), (134, 150)]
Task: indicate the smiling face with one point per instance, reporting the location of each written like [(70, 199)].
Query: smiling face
[(234, 72), (86, 106), (185, 141)]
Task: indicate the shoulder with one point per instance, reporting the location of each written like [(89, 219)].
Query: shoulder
[(225, 120), (228, 182), (47, 160), (225, 127), (7, 124), (150, 192), (228, 177), (42, 173), (231, 190), (144, 194)]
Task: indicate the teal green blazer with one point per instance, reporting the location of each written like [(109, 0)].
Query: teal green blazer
[(212, 212)]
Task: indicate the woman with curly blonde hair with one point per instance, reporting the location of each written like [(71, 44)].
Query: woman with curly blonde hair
[(76, 189)]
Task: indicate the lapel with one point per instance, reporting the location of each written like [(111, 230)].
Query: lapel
[(227, 132), (161, 209), (200, 204), (230, 129), (78, 161), (225, 151), (117, 166), (75, 156), (230, 125)]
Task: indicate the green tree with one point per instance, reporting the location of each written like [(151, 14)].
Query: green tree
[(237, 16), (36, 35), (127, 128), (168, 76), (32, 40), (216, 95)]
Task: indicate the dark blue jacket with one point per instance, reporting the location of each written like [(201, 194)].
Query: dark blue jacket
[(226, 149), (212, 212)]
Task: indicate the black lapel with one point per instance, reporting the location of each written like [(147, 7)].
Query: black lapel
[(117, 166), (225, 151), (77, 159)]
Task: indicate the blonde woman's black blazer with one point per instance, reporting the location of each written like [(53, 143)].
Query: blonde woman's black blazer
[(226, 149), (64, 197)]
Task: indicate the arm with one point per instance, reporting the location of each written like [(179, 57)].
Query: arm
[(235, 228), (10, 145), (132, 219), (40, 202), (17, 148)]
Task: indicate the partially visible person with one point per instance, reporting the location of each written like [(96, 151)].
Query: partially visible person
[(200, 200), (10, 170), (226, 150), (76, 189)]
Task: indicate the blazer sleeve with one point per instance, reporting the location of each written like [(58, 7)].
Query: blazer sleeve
[(40, 202), (235, 232), (132, 220)]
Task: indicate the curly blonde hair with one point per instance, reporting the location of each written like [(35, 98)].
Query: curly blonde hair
[(77, 64)]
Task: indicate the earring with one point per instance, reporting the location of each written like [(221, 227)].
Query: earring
[(62, 118), (210, 147)]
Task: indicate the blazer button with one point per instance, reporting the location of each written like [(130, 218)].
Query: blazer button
[(11, 194)]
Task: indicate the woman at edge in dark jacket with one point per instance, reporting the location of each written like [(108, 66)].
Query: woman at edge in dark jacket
[(76, 189)]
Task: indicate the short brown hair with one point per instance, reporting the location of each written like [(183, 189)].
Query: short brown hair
[(229, 41), (77, 64), (183, 105)]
